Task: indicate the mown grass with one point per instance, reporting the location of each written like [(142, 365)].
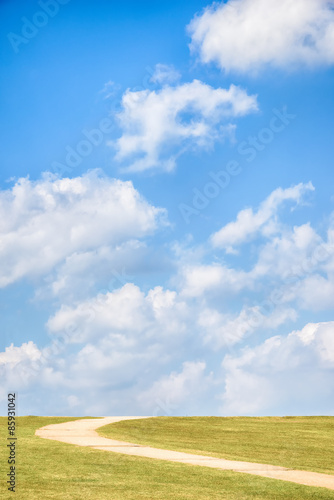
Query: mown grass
[(305, 443), (51, 470)]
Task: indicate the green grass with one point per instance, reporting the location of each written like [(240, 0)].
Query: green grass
[(305, 443), (51, 470)]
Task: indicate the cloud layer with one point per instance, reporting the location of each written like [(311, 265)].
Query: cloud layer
[(196, 346)]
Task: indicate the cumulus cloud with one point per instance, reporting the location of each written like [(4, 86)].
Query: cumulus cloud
[(246, 35), (46, 221), (115, 343), (249, 224), (18, 366), (14, 355), (126, 315), (160, 125), (294, 370)]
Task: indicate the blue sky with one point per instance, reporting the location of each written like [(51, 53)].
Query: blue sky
[(167, 207)]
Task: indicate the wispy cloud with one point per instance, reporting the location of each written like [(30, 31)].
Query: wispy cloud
[(165, 74), (250, 224)]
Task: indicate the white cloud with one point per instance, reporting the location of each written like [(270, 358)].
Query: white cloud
[(183, 388), (315, 292), (15, 355), (293, 370), (249, 223), (196, 280), (130, 337), (222, 330), (45, 222), (291, 264), (245, 393), (124, 315), (164, 73), (245, 35), (299, 263), (107, 367), (158, 126), (74, 279), (292, 253), (18, 367), (127, 339), (321, 336)]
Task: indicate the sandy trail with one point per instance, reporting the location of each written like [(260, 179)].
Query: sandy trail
[(82, 433)]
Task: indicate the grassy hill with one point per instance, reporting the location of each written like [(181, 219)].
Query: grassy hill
[(305, 443), (59, 471)]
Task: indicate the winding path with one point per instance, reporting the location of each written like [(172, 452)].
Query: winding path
[(82, 433)]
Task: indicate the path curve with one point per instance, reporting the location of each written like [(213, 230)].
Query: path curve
[(82, 433)]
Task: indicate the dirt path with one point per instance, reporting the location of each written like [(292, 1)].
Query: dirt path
[(82, 433)]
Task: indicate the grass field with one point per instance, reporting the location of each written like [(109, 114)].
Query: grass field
[(305, 443), (51, 470)]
